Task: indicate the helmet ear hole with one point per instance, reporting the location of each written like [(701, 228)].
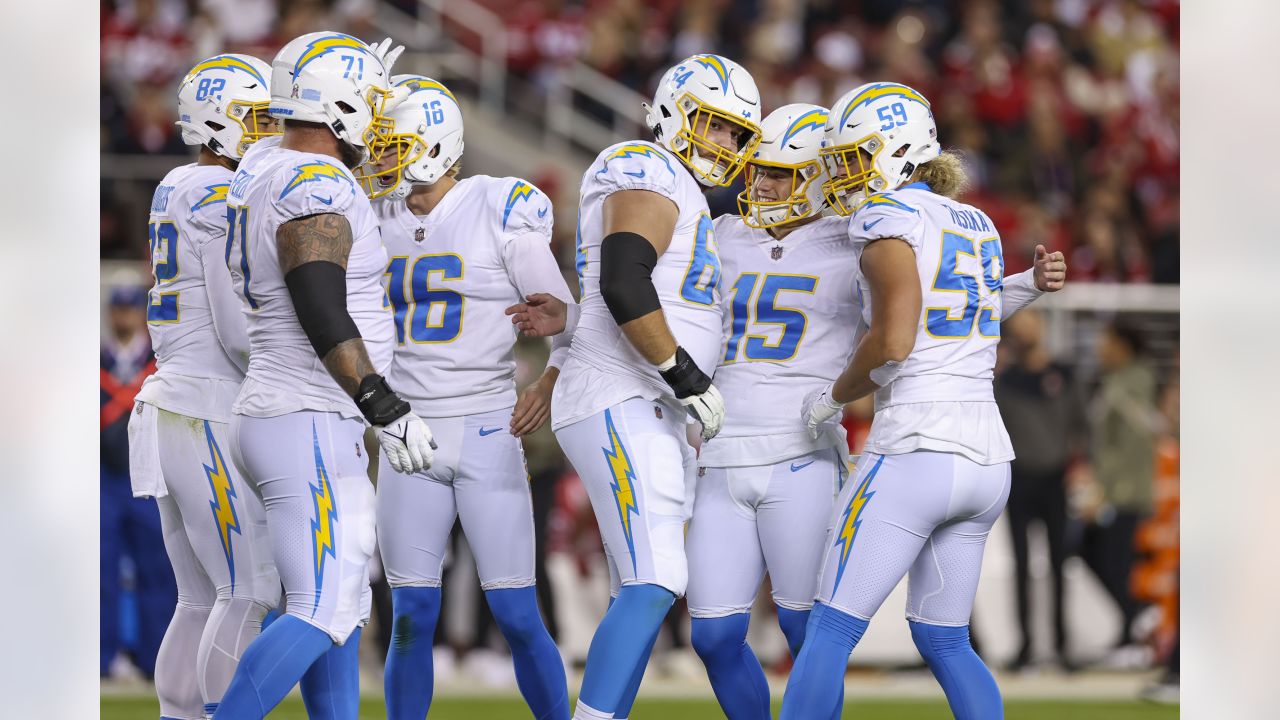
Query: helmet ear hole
[(344, 107), (435, 151), (902, 150), (216, 127)]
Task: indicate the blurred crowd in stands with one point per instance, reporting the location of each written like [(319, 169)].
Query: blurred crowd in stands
[(1067, 110)]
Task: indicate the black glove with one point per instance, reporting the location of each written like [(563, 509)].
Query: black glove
[(685, 377), (379, 404)]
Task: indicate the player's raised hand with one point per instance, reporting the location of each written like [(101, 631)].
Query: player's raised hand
[(533, 408), (818, 408), (1050, 270), (386, 53), (540, 315), (694, 390), (407, 443)]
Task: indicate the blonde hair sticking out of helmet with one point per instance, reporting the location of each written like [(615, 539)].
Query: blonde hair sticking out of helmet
[(945, 174)]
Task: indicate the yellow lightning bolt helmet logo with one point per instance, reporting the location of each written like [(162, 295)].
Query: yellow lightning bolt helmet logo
[(326, 515), (327, 44), (226, 62), (623, 474), (421, 82), (853, 518), (877, 91), (223, 502), (313, 171)]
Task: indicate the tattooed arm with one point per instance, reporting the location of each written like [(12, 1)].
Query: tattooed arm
[(313, 253)]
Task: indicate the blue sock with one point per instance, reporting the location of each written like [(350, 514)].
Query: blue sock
[(735, 673), (816, 686), (408, 681), (272, 664), (539, 669), (633, 685), (792, 623), (971, 691), (331, 686), (620, 644)]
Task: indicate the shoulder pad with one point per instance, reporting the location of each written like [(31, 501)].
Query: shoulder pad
[(884, 216), (312, 187), (524, 207), (636, 166)]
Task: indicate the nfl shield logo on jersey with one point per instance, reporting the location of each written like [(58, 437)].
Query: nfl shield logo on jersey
[(776, 253), (419, 235)]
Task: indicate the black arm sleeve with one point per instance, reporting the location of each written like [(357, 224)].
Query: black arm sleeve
[(319, 292), (626, 270)]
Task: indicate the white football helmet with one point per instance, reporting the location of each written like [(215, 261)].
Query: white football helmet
[(876, 137), (424, 143), (692, 96), (222, 104), (335, 80), (790, 140)]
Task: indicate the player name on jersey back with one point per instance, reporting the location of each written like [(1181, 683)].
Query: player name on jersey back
[(603, 368), (790, 310), (194, 375), (275, 185), (942, 399), (449, 285)]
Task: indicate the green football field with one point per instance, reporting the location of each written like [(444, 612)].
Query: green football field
[(511, 709)]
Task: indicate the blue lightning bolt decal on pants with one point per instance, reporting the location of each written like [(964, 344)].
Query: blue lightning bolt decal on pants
[(310, 470), (927, 516), (639, 471)]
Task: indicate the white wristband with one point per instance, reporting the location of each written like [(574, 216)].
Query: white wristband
[(668, 363)]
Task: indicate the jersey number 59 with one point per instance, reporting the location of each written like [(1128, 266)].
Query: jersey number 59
[(940, 321)]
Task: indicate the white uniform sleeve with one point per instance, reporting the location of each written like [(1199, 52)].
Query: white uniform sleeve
[(209, 219), (883, 216), (636, 166), (526, 254), (311, 188), (1019, 291), (228, 319)]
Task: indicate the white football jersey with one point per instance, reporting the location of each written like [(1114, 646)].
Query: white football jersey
[(187, 231), (791, 309), (449, 283), (603, 368), (942, 399), (275, 185)]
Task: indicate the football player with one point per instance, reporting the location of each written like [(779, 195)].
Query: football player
[(934, 474), (214, 529), (646, 341), (307, 260), (767, 488), (462, 251)]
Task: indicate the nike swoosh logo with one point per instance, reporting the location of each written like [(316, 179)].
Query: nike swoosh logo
[(798, 468), (868, 226), (326, 201), (634, 174), (484, 432), (542, 213)]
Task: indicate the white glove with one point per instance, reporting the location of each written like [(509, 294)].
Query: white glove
[(819, 408), (387, 54), (407, 444), (708, 409)]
